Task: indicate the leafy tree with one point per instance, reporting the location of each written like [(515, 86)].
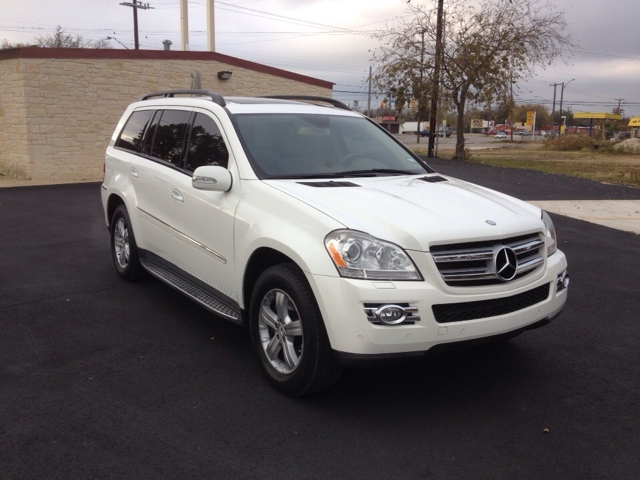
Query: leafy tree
[(59, 39)]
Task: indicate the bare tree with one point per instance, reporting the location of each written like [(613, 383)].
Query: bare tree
[(60, 39), (487, 45), (404, 63)]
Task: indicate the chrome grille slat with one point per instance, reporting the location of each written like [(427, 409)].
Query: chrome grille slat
[(530, 264), (527, 246), (476, 261), (457, 257)]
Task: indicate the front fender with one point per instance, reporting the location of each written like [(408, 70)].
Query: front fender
[(267, 217)]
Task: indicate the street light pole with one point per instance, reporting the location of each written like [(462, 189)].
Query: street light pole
[(114, 38)]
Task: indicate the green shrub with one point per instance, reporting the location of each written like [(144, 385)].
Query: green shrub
[(569, 143)]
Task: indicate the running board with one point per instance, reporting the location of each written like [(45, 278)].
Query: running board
[(194, 292)]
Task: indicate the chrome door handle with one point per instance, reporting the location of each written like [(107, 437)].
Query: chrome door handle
[(133, 172), (177, 196)]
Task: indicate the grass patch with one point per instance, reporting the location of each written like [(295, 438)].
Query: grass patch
[(567, 143), (600, 165)]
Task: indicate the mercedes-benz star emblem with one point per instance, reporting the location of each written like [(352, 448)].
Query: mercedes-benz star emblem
[(506, 263), (490, 222)]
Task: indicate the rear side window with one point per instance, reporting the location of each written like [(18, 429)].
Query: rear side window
[(133, 131), (145, 148), (169, 139), (206, 146)]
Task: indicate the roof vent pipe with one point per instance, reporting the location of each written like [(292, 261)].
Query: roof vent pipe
[(167, 44)]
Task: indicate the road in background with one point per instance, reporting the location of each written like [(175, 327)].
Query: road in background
[(100, 378), (473, 141)]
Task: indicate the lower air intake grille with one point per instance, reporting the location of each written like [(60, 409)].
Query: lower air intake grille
[(459, 312)]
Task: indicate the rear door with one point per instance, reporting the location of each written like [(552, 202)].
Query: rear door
[(161, 153)]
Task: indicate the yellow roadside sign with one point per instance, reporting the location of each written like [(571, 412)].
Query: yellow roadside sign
[(531, 115)]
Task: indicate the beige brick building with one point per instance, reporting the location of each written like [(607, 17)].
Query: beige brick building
[(59, 107)]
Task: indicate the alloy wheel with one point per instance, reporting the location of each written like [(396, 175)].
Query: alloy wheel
[(280, 331), (121, 243)]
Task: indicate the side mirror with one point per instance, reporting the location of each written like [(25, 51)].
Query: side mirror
[(212, 178)]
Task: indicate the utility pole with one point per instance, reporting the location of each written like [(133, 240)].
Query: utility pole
[(436, 81), (369, 98), (562, 95), (135, 5), (512, 107), (421, 93), (553, 111), (620, 100)]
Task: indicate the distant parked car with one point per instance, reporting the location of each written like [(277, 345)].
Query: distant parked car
[(624, 135), (500, 136), (425, 133)]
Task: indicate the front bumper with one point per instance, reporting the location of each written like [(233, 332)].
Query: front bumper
[(342, 301)]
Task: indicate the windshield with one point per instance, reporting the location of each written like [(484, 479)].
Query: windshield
[(308, 146)]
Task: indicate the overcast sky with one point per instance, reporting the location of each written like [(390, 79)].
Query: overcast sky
[(328, 39)]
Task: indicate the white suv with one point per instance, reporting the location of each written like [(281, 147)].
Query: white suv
[(314, 227)]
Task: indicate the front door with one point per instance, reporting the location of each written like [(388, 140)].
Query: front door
[(204, 220)]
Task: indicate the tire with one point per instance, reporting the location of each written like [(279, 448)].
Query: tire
[(285, 321), (124, 249)]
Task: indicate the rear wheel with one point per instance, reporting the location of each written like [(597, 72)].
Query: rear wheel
[(288, 333), (124, 250)]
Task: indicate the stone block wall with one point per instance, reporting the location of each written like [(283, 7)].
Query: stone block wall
[(58, 114), (13, 125)]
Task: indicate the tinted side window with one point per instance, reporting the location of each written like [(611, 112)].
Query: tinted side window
[(131, 136), (151, 130), (206, 146), (169, 140)]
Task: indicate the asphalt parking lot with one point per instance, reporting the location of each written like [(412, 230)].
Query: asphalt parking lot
[(104, 379)]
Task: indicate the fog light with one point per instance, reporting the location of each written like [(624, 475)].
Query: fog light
[(391, 314), (563, 281)]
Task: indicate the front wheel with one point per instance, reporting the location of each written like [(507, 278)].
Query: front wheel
[(288, 334)]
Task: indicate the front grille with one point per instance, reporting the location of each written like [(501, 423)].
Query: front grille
[(459, 312), (473, 263)]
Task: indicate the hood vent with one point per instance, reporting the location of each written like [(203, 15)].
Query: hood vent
[(434, 179), (329, 184)]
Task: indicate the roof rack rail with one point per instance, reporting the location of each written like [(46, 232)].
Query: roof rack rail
[(215, 96), (335, 103)]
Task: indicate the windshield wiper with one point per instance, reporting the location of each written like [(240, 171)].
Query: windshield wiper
[(373, 172)]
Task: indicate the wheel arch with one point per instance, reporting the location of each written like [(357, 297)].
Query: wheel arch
[(113, 202), (261, 259)]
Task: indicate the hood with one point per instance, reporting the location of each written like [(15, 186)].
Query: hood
[(416, 214)]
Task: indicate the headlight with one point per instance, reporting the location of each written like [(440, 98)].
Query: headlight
[(550, 232), (358, 255)]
